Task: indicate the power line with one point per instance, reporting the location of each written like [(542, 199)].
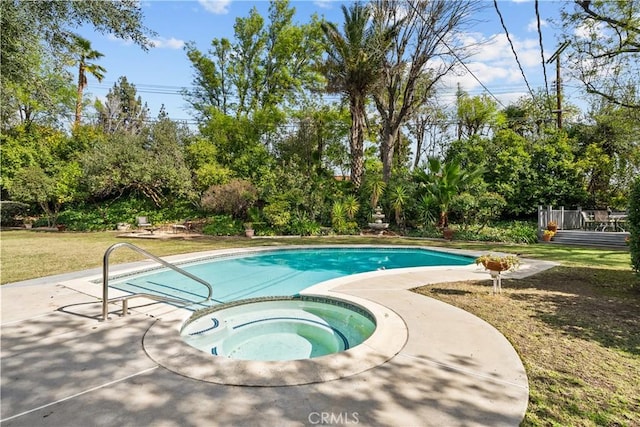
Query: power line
[(515, 54), (458, 58), (544, 67)]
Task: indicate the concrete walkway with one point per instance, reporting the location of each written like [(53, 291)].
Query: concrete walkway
[(63, 367)]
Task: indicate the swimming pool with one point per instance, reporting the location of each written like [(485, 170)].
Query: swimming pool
[(278, 272), (253, 336)]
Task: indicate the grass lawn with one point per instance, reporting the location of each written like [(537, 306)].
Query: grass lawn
[(576, 327)]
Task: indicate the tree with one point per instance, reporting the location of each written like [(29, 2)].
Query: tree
[(44, 96), (425, 48), (398, 198), (608, 150), (605, 48), (443, 181), (49, 189), (122, 111), (319, 133), (353, 67), (429, 128), (149, 165), (476, 115), (84, 53), (31, 26), (263, 68), (508, 171)]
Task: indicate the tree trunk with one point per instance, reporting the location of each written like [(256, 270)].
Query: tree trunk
[(387, 148), (356, 139), (419, 135), (79, 98)]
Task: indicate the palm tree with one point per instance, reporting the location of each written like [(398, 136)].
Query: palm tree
[(82, 48), (443, 182), (353, 67), (399, 198)]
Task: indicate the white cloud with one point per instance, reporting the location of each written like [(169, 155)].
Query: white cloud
[(164, 43), (217, 7), (324, 4), (493, 63), (589, 29), (533, 25)]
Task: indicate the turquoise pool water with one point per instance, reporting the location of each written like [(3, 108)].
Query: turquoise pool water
[(280, 272), (280, 329)]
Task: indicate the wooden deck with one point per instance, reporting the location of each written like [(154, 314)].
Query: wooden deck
[(605, 239)]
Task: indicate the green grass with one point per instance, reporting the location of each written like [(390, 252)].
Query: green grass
[(577, 330), (576, 327)]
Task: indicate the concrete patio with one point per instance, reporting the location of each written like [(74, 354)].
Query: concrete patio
[(61, 366)]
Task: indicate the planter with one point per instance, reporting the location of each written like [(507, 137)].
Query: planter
[(447, 233), (29, 225), (249, 232), (495, 265), (546, 237), (499, 263), (61, 227)]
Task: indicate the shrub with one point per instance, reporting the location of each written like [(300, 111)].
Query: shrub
[(522, 232), (233, 198), (105, 216), (634, 225), (278, 214), (223, 225), (304, 226), (11, 213), (509, 232)]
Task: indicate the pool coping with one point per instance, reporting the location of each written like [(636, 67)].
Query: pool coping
[(164, 345)]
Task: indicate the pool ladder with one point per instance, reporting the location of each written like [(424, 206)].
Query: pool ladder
[(125, 299)]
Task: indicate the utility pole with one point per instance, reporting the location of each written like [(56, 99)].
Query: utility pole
[(556, 57)]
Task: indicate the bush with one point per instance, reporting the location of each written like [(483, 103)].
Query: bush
[(11, 213), (634, 225), (233, 198), (304, 226), (522, 232), (223, 225), (105, 216), (476, 210), (278, 214)]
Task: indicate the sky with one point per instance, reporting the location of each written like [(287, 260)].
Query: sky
[(160, 73)]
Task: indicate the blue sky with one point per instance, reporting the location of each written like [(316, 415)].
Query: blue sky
[(160, 73)]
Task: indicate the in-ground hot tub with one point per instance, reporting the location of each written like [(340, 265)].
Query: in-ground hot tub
[(279, 341), (281, 328)]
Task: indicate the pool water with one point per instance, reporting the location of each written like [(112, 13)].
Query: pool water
[(280, 329), (281, 272)]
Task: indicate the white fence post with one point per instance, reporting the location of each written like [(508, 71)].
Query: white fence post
[(540, 219)]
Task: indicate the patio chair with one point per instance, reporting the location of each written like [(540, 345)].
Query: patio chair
[(588, 223), (142, 222), (601, 218), (185, 226)]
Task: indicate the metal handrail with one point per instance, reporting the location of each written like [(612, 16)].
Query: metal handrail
[(105, 280)]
